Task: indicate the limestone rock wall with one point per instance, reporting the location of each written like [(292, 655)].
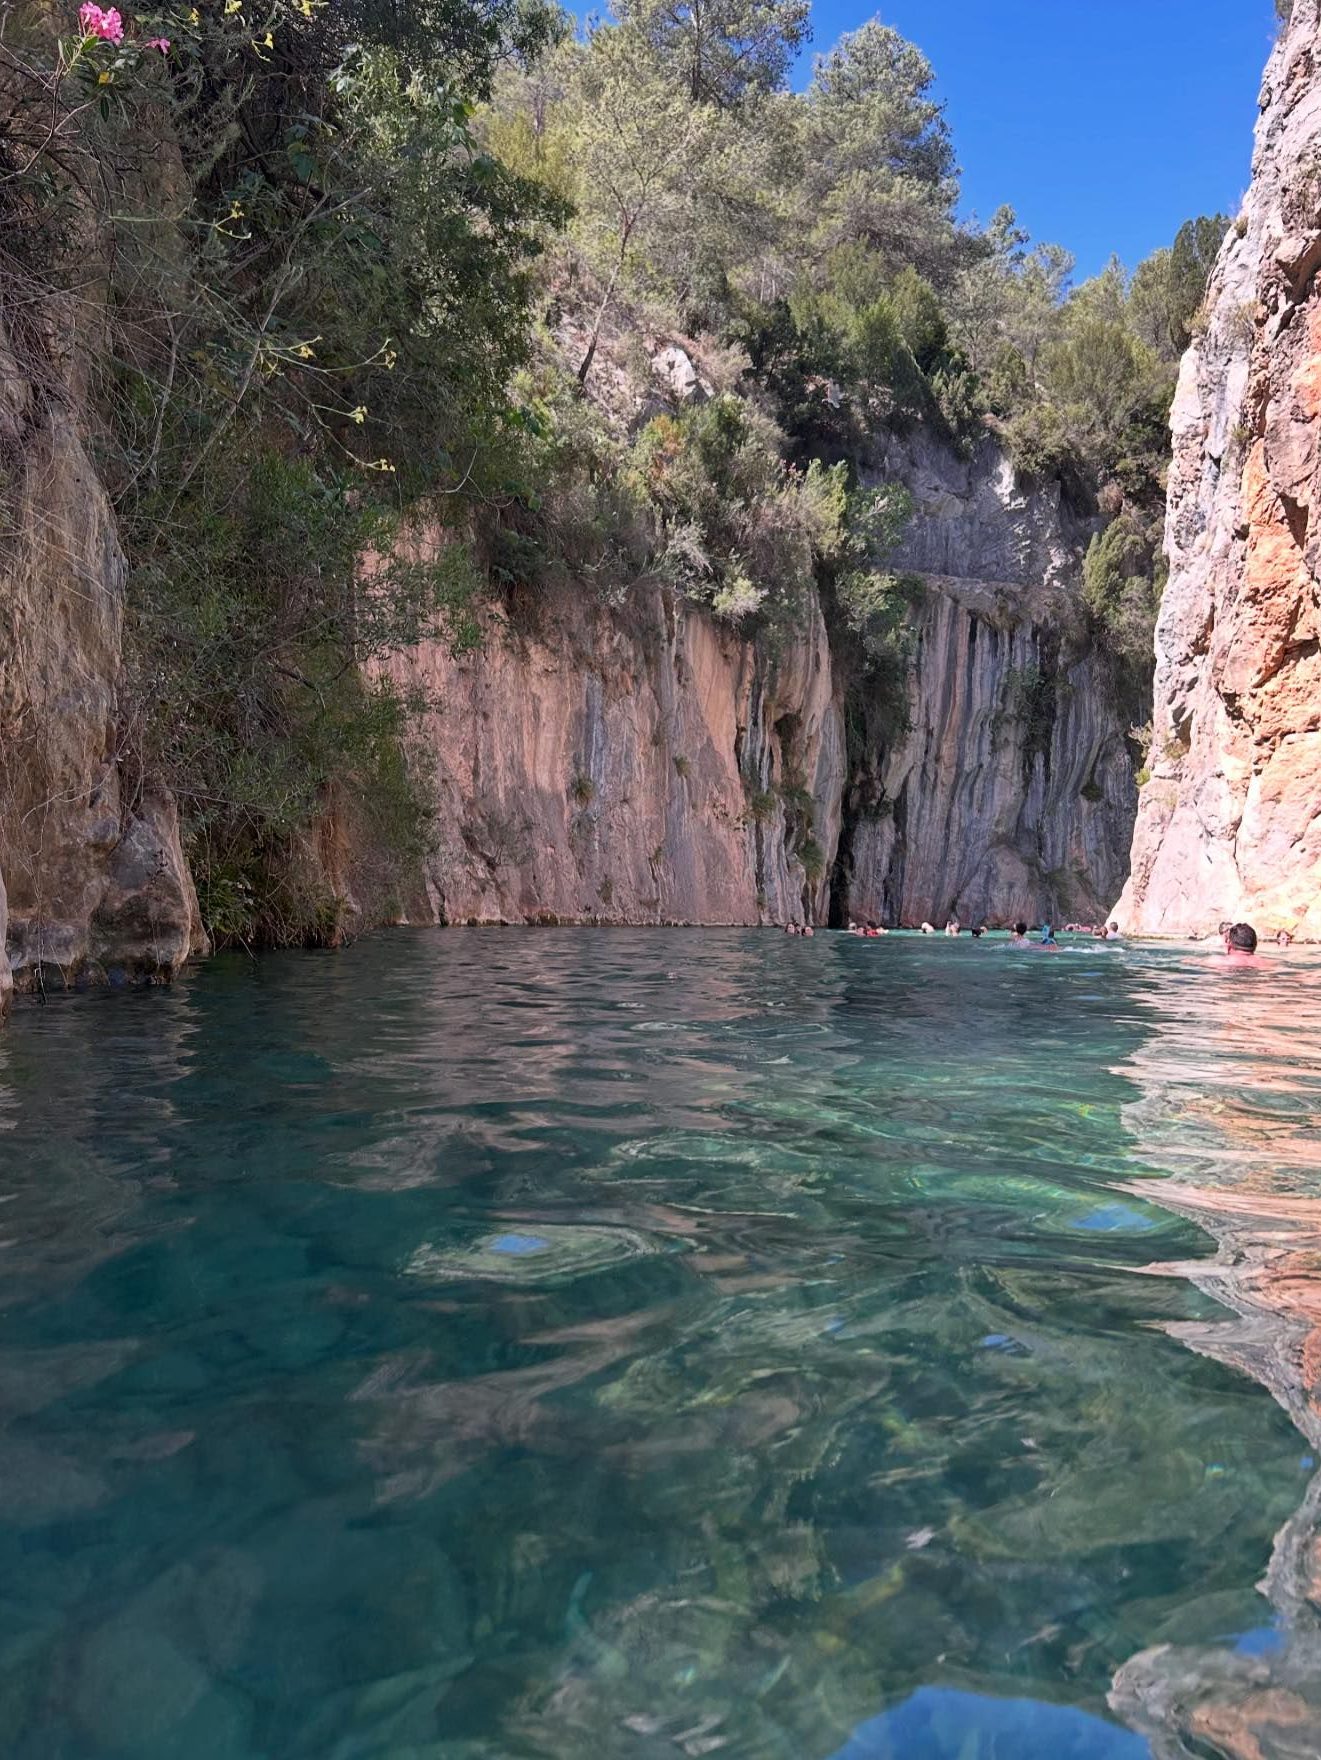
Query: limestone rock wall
[(638, 763), (1230, 822), (1011, 793), (96, 879), (634, 765), (623, 762)]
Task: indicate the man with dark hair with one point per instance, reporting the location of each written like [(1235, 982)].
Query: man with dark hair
[(1019, 936), (1241, 944)]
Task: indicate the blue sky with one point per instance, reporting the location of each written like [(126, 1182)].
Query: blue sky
[(1105, 123)]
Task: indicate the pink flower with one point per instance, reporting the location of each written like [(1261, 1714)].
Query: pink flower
[(96, 23), (161, 43)]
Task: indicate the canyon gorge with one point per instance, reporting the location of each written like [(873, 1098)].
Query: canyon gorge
[(628, 756)]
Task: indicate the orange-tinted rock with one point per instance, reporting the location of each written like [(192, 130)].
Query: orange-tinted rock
[(1228, 826)]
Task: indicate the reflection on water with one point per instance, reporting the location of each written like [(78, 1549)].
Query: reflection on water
[(484, 1345), (1228, 1110)]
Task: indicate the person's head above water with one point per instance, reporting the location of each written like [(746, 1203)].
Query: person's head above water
[(1241, 938), (1020, 928)]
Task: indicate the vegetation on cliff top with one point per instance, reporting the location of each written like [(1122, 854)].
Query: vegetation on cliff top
[(339, 268)]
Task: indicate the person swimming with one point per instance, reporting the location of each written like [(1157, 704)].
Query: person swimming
[(952, 927), (1019, 936), (1112, 931), (1283, 938), (1241, 945)]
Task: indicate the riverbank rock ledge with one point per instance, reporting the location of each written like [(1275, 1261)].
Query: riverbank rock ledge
[(1229, 823)]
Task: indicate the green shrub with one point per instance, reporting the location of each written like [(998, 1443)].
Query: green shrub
[(1042, 444), (813, 860), (741, 532)]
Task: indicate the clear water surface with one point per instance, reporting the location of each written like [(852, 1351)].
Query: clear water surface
[(479, 1345)]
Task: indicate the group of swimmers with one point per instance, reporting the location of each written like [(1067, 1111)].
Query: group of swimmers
[(1019, 935), (1240, 939)]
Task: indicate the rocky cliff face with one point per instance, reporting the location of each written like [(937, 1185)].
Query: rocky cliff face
[(96, 879), (643, 765), (1229, 823), (631, 762), (1012, 791), (635, 766)]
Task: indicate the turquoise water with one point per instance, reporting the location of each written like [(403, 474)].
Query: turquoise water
[(487, 1344)]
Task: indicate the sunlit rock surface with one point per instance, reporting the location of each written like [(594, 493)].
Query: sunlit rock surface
[(1228, 824), (633, 764), (638, 762)]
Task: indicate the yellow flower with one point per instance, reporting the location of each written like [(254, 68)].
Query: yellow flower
[(358, 415), (305, 7), (236, 210), (194, 16), (232, 6), (104, 79), (390, 358), (303, 351), (268, 41), (380, 464)]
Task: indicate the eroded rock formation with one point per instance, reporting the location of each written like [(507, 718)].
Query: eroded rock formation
[(1230, 821), (628, 760), (636, 766), (1012, 791), (96, 878), (632, 762), (641, 764)]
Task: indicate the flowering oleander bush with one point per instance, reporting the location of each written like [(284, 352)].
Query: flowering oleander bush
[(97, 23)]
